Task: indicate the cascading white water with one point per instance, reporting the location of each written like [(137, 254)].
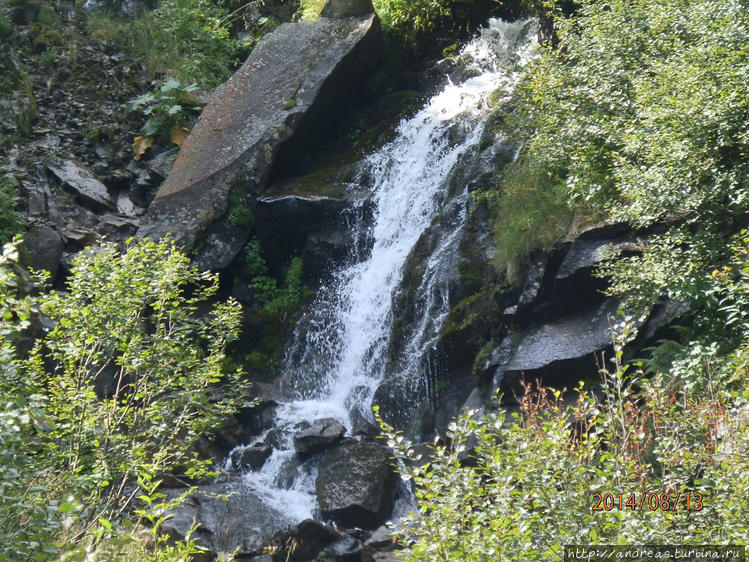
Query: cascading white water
[(338, 356)]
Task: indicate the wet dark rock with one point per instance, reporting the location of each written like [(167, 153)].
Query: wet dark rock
[(381, 557), (250, 458), (356, 484), (531, 291), (362, 427), (562, 351), (336, 9), (584, 254), (576, 284), (317, 436), (243, 521), (345, 549), (304, 542), (379, 544), (83, 183), (322, 228), (324, 250), (286, 95), (660, 323), (162, 163), (42, 249), (18, 107), (238, 430)]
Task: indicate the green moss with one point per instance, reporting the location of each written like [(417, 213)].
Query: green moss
[(6, 28), (461, 316), (291, 104), (469, 270), (310, 9), (450, 50), (239, 212), (48, 38), (482, 356), (327, 181)]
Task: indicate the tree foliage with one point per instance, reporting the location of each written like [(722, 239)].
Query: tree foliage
[(521, 487), (115, 395), (639, 113)]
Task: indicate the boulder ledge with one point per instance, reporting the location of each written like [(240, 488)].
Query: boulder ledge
[(288, 93)]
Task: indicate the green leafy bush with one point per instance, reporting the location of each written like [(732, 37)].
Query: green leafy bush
[(637, 114), (113, 397), (278, 304), (172, 105), (411, 19), (521, 487), (197, 30), (405, 21)]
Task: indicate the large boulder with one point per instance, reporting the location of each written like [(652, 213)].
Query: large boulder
[(249, 458), (285, 96), (561, 352), (317, 436), (356, 484), (243, 522)]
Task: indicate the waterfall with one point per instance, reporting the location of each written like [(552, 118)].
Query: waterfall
[(338, 356)]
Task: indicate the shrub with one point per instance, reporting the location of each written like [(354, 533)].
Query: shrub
[(409, 20), (198, 31), (115, 395), (520, 488), (639, 112)]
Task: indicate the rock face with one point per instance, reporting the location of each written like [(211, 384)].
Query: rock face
[(83, 183), (287, 93), (242, 522), (250, 458), (43, 249), (356, 484), (17, 102), (318, 436), (562, 352)]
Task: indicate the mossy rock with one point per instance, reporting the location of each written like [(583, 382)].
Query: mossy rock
[(450, 50), (326, 181), (467, 329), (17, 102)]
